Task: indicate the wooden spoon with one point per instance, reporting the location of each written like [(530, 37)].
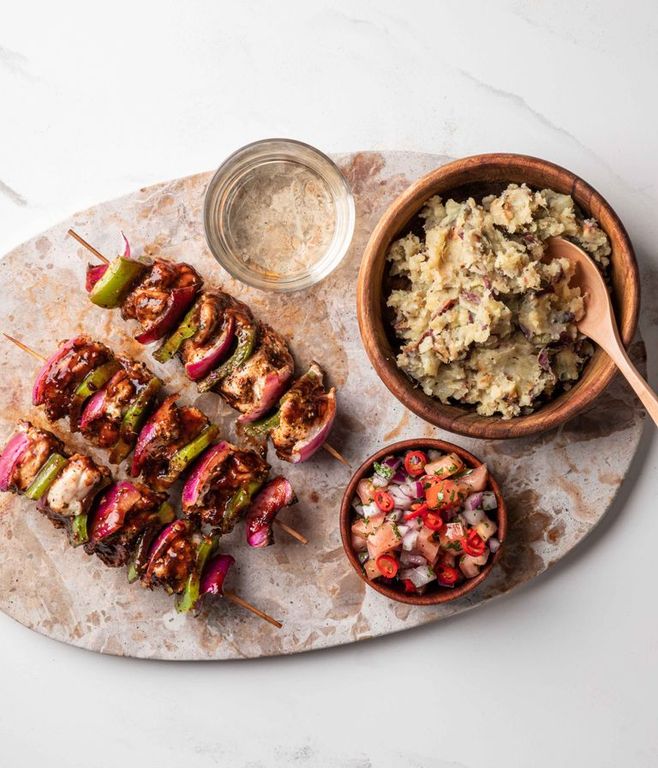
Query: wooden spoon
[(599, 321)]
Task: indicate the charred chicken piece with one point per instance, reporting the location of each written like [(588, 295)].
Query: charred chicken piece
[(38, 445), (172, 558), (103, 417), (168, 430), (160, 297), (306, 414), (75, 487), (255, 386), (60, 376), (123, 513), (221, 485)]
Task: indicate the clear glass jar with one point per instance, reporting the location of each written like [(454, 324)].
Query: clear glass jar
[(279, 215)]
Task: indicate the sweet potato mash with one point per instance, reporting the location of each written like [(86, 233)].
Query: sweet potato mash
[(481, 318)]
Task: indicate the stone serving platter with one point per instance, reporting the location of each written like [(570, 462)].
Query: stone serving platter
[(558, 485)]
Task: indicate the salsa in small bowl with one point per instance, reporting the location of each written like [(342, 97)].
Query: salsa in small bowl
[(423, 521)]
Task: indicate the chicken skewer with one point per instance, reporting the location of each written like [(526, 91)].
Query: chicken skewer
[(251, 379), (169, 442), (123, 523)]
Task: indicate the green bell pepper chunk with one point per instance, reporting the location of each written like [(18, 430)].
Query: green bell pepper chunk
[(264, 426), (246, 336), (79, 532), (192, 591), (113, 286), (186, 455), (187, 329), (132, 421), (46, 476), (95, 380), (239, 501)]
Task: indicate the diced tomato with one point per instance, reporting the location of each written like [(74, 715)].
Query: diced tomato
[(433, 521), (409, 586), (384, 501), (371, 569), (473, 544), (445, 466), (427, 545), (384, 539), (445, 494), (476, 480), (447, 575), (388, 566), (414, 463), (365, 491)]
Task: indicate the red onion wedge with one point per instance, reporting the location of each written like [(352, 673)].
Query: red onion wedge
[(112, 509), (201, 472), (178, 302), (167, 536), (42, 376), (304, 449), (274, 385), (10, 458), (212, 580), (94, 274), (215, 354), (276, 495), (94, 408), (148, 432)]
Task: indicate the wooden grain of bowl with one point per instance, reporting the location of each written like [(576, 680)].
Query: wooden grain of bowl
[(435, 593), (477, 176)]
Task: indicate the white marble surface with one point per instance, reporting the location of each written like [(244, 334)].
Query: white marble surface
[(94, 104)]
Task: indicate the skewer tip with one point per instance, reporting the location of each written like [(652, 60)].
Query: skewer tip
[(333, 452), (291, 531), (24, 347), (237, 600)]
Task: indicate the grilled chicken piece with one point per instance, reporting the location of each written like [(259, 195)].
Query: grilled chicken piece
[(75, 487), (305, 411), (41, 445), (170, 428), (147, 301), (172, 569), (115, 550), (103, 428), (66, 373), (226, 488), (255, 387)]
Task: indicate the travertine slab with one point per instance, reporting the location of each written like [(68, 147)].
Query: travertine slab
[(558, 485)]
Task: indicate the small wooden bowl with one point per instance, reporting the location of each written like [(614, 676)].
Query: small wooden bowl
[(478, 176), (435, 594)]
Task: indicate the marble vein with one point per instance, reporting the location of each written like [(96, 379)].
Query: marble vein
[(14, 62), (12, 194)]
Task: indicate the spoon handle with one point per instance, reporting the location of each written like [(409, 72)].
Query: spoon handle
[(629, 371)]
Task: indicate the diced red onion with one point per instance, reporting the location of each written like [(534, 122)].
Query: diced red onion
[(401, 500), (474, 501), (392, 462), (403, 529), (378, 481), (399, 477), (494, 545), (409, 539), (394, 516), (413, 489), (419, 576), (10, 458), (370, 509), (411, 559), (489, 500), (473, 516)]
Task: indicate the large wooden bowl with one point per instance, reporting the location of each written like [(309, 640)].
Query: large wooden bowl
[(435, 593), (478, 176)]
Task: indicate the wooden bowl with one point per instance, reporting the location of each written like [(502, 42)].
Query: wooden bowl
[(435, 593), (478, 176)]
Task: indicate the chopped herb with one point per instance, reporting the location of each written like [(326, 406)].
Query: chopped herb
[(383, 471)]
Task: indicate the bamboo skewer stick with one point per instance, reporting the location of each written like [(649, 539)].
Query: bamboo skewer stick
[(88, 246), (237, 600), (328, 448), (38, 356)]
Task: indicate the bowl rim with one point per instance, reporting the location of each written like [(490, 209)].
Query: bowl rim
[(446, 594), (452, 417)]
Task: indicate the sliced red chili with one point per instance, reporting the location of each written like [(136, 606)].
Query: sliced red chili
[(417, 510), (433, 521), (384, 501), (409, 586), (387, 565), (414, 463), (473, 544), (447, 575)]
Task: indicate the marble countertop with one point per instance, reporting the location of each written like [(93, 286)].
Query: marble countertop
[(98, 103)]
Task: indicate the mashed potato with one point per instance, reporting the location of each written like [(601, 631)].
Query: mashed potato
[(481, 319)]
